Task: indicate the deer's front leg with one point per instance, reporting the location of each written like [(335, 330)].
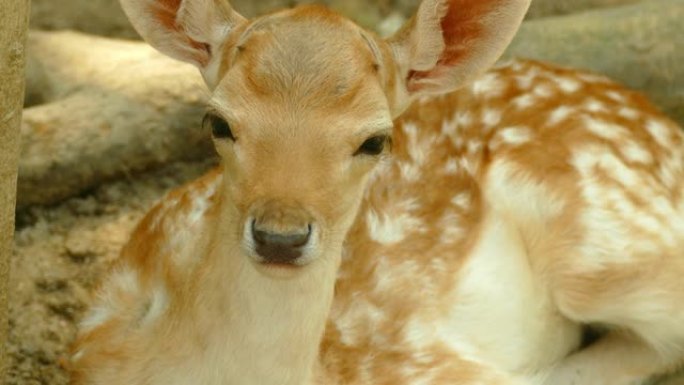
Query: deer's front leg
[(616, 359)]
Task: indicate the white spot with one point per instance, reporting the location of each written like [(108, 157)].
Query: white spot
[(464, 118), (474, 147), (462, 200), (120, 282), (78, 355), (568, 85), (387, 229), (668, 176), (510, 188), (633, 152), (458, 141), (199, 207), (594, 105), (360, 315), (449, 127), (543, 91), (409, 171), (97, 315), (125, 279), (157, 306), (452, 227), (660, 132), (591, 157), (604, 129), (488, 85), (559, 114), (470, 166), (526, 80), (515, 65), (628, 113), (524, 101), (491, 117), (451, 166), (418, 147), (616, 96), (417, 335), (513, 136)]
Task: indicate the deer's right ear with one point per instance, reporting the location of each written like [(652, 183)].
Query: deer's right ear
[(449, 42), (189, 30)]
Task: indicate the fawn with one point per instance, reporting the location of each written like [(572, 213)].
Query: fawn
[(387, 212)]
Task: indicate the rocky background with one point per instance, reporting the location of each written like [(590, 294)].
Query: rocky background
[(110, 125)]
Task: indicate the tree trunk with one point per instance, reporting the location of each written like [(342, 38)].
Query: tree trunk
[(13, 28)]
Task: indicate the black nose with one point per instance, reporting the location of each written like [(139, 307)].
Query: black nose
[(279, 247)]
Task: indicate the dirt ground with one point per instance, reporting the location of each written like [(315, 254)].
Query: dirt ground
[(60, 253)]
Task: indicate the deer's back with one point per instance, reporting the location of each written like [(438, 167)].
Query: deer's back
[(501, 195), (495, 193)]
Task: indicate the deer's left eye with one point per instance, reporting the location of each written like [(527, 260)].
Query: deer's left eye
[(373, 145), (220, 129)]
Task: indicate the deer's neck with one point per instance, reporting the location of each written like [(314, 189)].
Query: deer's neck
[(263, 329)]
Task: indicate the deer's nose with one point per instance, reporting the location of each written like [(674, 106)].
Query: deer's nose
[(276, 247)]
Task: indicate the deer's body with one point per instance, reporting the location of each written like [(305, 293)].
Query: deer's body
[(512, 212)]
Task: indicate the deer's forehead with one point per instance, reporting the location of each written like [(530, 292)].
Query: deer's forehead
[(301, 104), (275, 117), (304, 56)]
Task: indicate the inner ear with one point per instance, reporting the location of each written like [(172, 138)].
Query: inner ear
[(450, 42), (189, 30)]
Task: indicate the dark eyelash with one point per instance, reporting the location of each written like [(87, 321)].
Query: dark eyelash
[(374, 145), (220, 128)]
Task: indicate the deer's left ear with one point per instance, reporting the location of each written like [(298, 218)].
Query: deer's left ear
[(189, 30), (449, 42)]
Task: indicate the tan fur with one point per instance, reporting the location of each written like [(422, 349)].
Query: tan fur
[(510, 213)]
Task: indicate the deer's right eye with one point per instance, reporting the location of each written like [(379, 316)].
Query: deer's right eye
[(373, 145), (220, 129)]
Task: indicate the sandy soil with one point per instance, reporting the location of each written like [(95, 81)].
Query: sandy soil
[(60, 253)]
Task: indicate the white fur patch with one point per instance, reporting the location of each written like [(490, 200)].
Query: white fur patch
[(559, 114), (491, 117), (386, 229), (524, 101), (633, 152), (462, 200), (543, 91), (488, 85), (616, 96), (122, 282), (567, 85), (660, 132), (511, 136), (594, 105), (451, 166), (605, 130), (515, 334), (628, 113), (157, 306)]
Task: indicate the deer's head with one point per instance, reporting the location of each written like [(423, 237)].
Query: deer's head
[(303, 103)]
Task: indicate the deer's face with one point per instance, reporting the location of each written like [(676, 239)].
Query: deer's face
[(299, 124), (303, 103)]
